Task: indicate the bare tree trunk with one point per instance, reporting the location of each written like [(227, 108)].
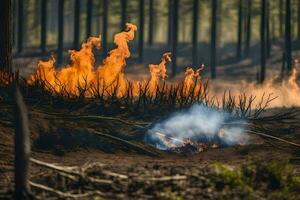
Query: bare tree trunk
[(104, 26), (213, 48), (141, 29), (123, 14), (248, 26), (60, 38), (174, 36), (263, 41), (170, 17), (76, 24), (268, 42), (195, 32), (150, 29), (6, 36), (240, 27), (20, 25), (89, 15), (43, 25), (298, 20), (281, 8), (22, 147), (288, 48)]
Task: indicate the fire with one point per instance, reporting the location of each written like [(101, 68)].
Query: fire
[(108, 77)]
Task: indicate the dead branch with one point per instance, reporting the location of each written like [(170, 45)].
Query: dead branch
[(164, 178), (273, 137), (65, 194), (125, 142)]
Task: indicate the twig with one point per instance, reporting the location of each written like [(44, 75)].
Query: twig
[(164, 178)]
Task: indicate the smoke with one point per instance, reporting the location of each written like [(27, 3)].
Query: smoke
[(198, 123)]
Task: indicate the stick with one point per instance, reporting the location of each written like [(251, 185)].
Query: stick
[(125, 142), (273, 137)]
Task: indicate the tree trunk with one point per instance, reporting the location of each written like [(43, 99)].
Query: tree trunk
[(240, 33), (6, 36), (60, 38), (170, 17), (213, 48), (22, 147), (281, 8), (141, 30), (248, 26), (263, 41), (89, 15), (268, 42), (123, 14), (150, 29), (174, 37), (298, 20), (20, 25), (76, 24), (104, 26), (195, 32), (43, 25), (288, 48)]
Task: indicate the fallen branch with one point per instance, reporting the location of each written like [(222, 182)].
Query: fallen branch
[(164, 178), (125, 142), (273, 137), (64, 194)]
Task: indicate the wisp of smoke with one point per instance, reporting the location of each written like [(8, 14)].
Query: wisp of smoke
[(198, 123)]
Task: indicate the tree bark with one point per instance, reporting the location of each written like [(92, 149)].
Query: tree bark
[(20, 25), (104, 26), (123, 14), (150, 29), (195, 32), (240, 33), (174, 36), (248, 26), (298, 20), (281, 25), (76, 24), (141, 30), (288, 47), (89, 15), (60, 38), (6, 36), (43, 25), (268, 42), (170, 17), (22, 147), (263, 41), (213, 48)]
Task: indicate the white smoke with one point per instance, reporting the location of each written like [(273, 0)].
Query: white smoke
[(198, 123)]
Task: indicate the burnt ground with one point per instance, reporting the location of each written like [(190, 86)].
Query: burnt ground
[(59, 137)]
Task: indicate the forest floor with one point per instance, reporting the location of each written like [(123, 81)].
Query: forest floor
[(261, 169)]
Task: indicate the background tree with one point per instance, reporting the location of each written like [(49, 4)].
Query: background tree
[(141, 29), (288, 48), (43, 25), (6, 36), (76, 24), (174, 36), (123, 13), (150, 28), (20, 25), (213, 48), (195, 32), (240, 28), (89, 16), (263, 41), (248, 26), (60, 37), (104, 26)]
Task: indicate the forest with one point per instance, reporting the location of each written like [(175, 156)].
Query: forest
[(150, 99)]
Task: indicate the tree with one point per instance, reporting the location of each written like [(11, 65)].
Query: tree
[(60, 38), (43, 25), (288, 48), (213, 48), (268, 42), (170, 17), (240, 24), (141, 30), (281, 9), (195, 32), (20, 25), (248, 26), (123, 13), (89, 15), (6, 36), (104, 26), (263, 41), (174, 36), (76, 24), (150, 29), (298, 20)]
